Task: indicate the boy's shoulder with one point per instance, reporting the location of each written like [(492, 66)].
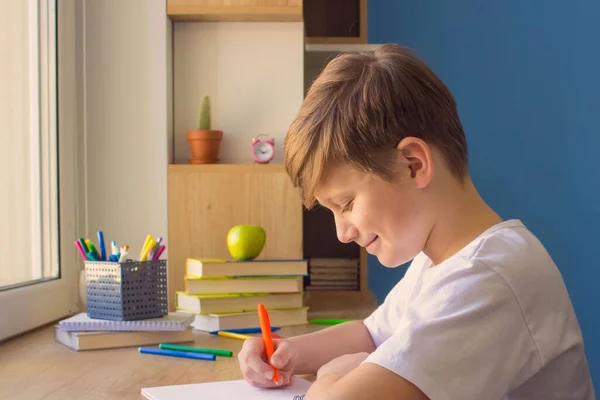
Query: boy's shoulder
[(515, 253), (507, 253), (505, 241), (507, 248)]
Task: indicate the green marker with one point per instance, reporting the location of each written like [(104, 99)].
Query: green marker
[(328, 321), (216, 352)]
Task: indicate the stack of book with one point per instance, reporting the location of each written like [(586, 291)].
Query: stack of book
[(81, 332), (334, 274), (224, 294)]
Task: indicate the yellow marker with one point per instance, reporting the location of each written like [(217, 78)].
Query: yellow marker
[(234, 335), (146, 251), (148, 239)]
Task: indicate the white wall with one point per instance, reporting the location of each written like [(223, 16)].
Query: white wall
[(126, 119), (254, 74), (16, 231)]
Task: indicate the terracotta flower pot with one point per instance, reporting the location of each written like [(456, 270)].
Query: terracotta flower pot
[(205, 145)]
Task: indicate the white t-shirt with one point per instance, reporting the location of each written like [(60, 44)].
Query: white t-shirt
[(494, 321)]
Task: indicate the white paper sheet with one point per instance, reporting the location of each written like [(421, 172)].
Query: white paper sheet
[(227, 390)]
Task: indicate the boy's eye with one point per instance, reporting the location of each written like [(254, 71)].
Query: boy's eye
[(347, 206)]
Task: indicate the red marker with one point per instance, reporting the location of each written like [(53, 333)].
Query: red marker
[(265, 326)]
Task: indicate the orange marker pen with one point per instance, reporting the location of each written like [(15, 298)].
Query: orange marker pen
[(265, 326)]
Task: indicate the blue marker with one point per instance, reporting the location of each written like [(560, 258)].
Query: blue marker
[(245, 330), (102, 247), (173, 353), (92, 256)]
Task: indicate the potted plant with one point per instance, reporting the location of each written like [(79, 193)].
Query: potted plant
[(204, 141)]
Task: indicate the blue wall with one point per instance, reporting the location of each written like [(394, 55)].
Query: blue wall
[(526, 76)]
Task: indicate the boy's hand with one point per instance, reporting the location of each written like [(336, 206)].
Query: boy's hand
[(343, 365), (256, 370)]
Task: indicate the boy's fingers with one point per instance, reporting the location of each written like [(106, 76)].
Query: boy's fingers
[(257, 379), (282, 354), (254, 345), (257, 364), (285, 378)]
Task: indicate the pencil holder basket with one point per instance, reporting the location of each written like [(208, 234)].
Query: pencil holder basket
[(126, 291)]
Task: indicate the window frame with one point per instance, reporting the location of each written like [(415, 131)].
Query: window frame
[(29, 306)]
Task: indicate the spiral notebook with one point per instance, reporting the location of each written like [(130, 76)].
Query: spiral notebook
[(175, 321), (227, 390)]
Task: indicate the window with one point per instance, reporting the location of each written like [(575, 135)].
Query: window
[(38, 280)]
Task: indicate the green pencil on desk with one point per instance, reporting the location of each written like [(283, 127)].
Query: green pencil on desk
[(216, 352), (328, 321)]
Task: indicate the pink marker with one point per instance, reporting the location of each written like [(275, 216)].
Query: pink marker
[(78, 244), (159, 252)]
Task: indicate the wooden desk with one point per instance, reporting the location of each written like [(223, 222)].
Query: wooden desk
[(33, 366)]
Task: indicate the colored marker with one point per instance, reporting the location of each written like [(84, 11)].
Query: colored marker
[(232, 335), (328, 321), (159, 252), (155, 249), (246, 330), (123, 253), (113, 248), (265, 325), (148, 239), (102, 246), (83, 245), (147, 250), (81, 251), (92, 256), (93, 249), (216, 352), (173, 353)]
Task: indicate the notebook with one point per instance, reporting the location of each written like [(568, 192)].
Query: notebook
[(227, 390), (175, 321), (94, 340)]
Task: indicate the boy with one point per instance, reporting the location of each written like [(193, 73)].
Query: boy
[(482, 312)]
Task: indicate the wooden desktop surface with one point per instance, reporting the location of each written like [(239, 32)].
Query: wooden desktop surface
[(33, 366)]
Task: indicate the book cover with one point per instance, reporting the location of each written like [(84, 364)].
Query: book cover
[(214, 303), (259, 284), (249, 319), (220, 268)]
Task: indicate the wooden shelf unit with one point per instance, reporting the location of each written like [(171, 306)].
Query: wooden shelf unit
[(235, 10), (205, 201)]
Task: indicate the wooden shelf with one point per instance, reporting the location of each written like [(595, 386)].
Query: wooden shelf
[(226, 168), (205, 201), (235, 11)]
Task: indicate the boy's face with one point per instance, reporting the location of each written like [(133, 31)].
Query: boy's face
[(389, 219)]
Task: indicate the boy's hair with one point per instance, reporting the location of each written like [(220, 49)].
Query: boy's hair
[(358, 110)]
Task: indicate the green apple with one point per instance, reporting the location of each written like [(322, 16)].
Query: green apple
[(245, 242)]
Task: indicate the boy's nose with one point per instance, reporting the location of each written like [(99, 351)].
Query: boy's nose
[(346, 232)]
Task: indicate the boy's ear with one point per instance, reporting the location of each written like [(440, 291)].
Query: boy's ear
[(416, 158)]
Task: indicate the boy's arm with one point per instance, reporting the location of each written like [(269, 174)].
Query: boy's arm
[(369, 381), (318, 348)]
